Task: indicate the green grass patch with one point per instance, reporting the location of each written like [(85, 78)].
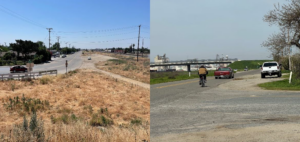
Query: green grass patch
[(252, 64), (281, 85), (117, 61), (162, 77)]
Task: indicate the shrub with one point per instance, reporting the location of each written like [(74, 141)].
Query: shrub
[(34, 133), (45, 79), (26, 104)]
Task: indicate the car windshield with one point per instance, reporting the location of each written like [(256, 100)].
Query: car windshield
[(270, 64), (224, 69)]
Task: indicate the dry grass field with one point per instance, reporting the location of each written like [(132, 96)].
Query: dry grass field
[(126, 66), (81, 106)]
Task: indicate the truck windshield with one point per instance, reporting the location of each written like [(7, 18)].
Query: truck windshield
[(270, 64), (224, 69)]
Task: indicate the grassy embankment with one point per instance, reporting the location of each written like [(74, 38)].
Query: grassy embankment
[(282, 84), (81, 106), (253, 64), (162, 77)]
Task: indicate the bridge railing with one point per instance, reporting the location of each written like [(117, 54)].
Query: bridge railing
[(26, 75)]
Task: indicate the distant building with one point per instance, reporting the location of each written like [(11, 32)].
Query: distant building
[(161, 59)]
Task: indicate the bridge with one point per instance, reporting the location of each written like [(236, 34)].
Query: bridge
[(189, 63)]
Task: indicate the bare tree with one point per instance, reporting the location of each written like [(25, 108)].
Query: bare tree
[(276, 43), (287, 16)]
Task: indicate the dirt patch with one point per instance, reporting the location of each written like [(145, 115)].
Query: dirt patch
[(248, 83), (99, 58), (127, 66), (266, 133)]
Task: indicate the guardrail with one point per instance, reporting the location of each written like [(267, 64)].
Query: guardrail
[(26, 75)]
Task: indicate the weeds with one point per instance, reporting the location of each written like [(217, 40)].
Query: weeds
[(26, 104), (45, 80), (13, 86), (32, 132), (100, 120), (136, 121)]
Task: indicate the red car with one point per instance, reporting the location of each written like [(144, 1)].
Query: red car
[(225, 72), (18, 69)]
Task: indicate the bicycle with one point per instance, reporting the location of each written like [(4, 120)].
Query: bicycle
[(202, 82)]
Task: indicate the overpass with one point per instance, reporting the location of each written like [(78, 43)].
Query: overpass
[(189, 63)]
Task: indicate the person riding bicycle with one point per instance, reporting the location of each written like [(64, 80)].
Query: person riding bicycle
[(202, 72)]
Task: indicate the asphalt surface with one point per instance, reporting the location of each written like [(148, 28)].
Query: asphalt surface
[(74, 62), (184, 106)]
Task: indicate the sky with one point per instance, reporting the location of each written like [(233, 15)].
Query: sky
[(202, 29), (85, 24)]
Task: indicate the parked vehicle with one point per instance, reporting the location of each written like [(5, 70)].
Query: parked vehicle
[(246, 69), (63, 56), (15, 69), (89, 58), (271, 68), (224, 72)]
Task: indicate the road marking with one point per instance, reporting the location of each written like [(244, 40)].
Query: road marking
[(179, 84)]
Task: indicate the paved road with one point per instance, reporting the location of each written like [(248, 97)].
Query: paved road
[(184, 106), (74, 62)]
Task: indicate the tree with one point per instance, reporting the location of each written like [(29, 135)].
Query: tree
[(56, 46), (16, 47), (276, 43), (287, 16)]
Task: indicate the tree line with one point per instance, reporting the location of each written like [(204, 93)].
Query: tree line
[(35, 51)]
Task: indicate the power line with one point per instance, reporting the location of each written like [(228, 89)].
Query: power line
[(105, 41), (14, 14), (109, 35), (96, 31)]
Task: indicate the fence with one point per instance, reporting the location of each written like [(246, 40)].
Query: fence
[(26, 75)]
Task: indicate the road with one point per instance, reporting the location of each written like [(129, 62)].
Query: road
[(184, 107), (74, 62)]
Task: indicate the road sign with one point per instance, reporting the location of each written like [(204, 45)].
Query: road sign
[(30, 65)]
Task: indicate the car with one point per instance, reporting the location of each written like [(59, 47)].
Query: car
[(15, 69), (235, 70), (245, 69), (224, 72), (270, 68), (89, 58), (63, 56)]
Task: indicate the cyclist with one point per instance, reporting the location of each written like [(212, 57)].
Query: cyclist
[(202, 71)]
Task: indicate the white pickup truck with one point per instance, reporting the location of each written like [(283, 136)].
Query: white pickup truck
[(270, 68)]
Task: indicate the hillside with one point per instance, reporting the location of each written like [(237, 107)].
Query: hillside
[(251, 64)]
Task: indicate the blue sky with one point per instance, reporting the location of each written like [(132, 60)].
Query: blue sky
[(202, 29), (81, 23)]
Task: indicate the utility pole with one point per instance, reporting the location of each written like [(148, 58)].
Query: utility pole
[(289, 49), (137, 55), (49, 29), (143, 47), (58, 41), (58, 38)]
